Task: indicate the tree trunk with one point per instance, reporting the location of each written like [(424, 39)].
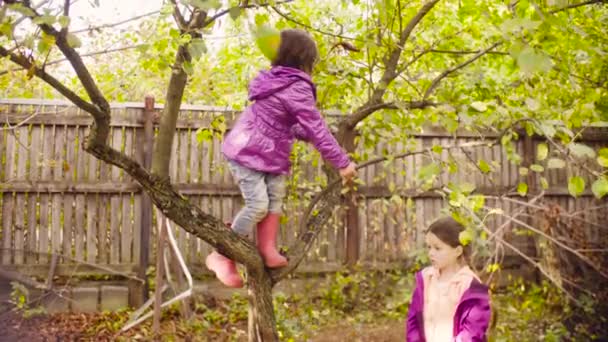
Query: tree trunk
[(262, 324), (346, 137)]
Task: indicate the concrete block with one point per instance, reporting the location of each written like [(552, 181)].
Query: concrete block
[(85, 299), (114, 297), (54, 303)]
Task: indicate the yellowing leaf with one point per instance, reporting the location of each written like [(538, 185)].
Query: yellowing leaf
[(556, 163), (466, 236), (268, 40), (479, 106), (600, 187), (73, 41), (542, 151), (581, 150), (522, 189), (576, 186)]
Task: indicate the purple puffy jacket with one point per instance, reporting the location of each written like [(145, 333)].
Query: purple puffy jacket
[(284, 109), (471, 320)]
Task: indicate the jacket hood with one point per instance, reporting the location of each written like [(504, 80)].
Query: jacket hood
[(274, 80)]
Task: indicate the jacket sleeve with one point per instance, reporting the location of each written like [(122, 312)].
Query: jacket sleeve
[(299, 100), (475, 323), (299, 133), (413, 330)]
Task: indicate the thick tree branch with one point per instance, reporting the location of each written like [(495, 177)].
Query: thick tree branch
[(321, 207), (580, 4), (363, 112), (179, 18), (79, 67), (90, 54), (66, 12), (390, 73), (52, 81), (446, 73)]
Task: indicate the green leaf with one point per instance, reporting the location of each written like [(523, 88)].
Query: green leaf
[(603, 161), (204, 134), (466, 236), (547, 129), (188, 68), (544, 183), (576, 186), (522, 189), (537, 168), (581, 150), (532, 104), (197, 48), (73, 41), (603, 152), (478, 202), (600, 187), (44, 19), (235, 13), (268, 40), (19, 8), (204, 4), (429, 172), (467, 187), (556, 163), (530, 61), (64, 21), (542, 151), (479, 106), (484, 166), (437, 149), (524, 171)]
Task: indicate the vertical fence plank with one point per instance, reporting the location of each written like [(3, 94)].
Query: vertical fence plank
[(56, 204), (92, 219), (114, 229), (103, 228), (79, 232), (126, 230), (68, 224), (8, 206), (32, 234)]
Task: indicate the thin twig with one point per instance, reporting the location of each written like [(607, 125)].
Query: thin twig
[(560, 244), (580, 4), (96, 28), (288, 18), (446, 73)]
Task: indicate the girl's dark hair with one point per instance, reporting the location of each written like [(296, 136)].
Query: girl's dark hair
[(448, 230), (297, 50)]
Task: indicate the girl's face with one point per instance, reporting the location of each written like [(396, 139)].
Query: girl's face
[(441, 254)]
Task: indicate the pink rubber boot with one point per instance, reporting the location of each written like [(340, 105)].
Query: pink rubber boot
[(225, 269), (267, 241)]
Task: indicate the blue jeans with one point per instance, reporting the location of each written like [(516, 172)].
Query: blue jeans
[(262, 192)]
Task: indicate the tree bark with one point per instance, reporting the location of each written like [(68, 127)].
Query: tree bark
[(262, 324)]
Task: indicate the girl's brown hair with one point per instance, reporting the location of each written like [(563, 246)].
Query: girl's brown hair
[(448, 230), (297, 50)]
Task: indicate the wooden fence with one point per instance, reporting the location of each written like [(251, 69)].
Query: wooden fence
[(56, 198)]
